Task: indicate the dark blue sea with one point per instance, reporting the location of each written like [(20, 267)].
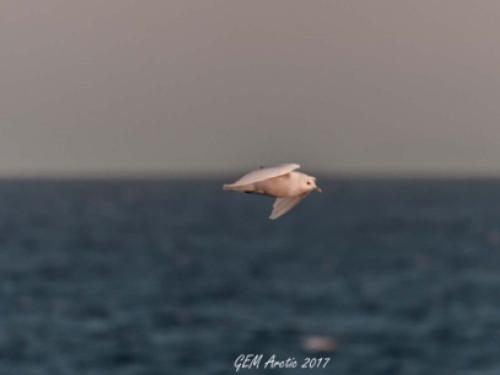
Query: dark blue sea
[(177, 277)]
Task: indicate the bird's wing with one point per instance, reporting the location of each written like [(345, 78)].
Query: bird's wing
[(265, 173), (282, 205)]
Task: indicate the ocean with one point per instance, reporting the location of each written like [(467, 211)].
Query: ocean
[(178, 277)]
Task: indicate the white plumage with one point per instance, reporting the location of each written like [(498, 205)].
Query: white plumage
[(283, 182)]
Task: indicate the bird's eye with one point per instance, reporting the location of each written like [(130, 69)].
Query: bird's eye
[(309, 182)]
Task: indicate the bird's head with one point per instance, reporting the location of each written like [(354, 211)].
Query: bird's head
[(308, 184)]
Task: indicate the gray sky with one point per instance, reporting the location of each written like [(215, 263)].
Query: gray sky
[(151, 86)]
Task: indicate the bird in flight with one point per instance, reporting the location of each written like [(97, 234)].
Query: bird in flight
[(282, 182)]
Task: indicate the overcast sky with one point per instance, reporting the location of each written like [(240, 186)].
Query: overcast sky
[(175, 86)]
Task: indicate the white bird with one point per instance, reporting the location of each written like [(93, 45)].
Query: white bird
[(282, 182)]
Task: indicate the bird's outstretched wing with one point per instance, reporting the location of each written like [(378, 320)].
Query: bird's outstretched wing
[(282, 205), (264, 174)]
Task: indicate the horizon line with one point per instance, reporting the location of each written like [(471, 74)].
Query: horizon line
[(176, 175)]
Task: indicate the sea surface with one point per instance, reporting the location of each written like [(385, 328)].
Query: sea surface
[(177, 277)]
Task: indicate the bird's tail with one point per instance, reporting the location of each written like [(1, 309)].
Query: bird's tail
[(239, 188)]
